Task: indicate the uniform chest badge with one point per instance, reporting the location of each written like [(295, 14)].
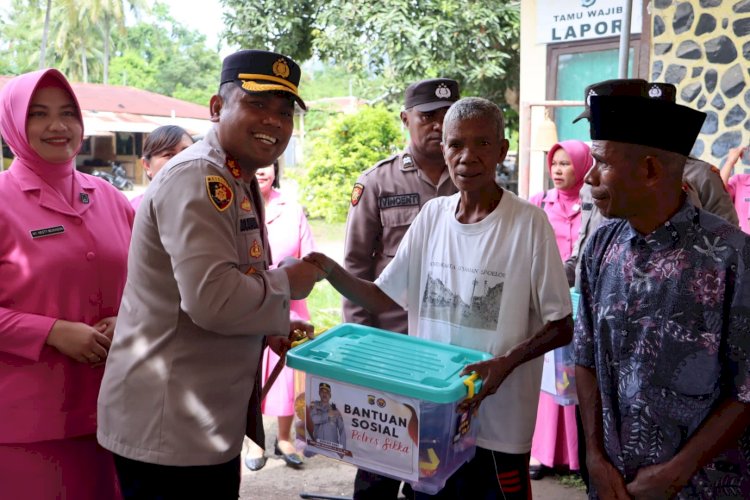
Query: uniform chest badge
[(219, 192), (357, 193), (255, 250), (233, 166), (246, 205)]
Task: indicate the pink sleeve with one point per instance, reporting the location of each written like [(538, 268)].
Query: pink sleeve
[(23, 334), (732, 185), (537, 199), (306, 243), (298, 308)]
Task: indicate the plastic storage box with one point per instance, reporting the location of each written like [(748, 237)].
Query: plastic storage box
[(559, 369), (386, 402)]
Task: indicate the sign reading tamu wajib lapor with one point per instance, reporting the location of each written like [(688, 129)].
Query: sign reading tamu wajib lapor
[(366, 427), (576, 20)]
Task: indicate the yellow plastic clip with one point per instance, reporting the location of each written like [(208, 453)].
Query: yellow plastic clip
[(469, 383), (303, 338)]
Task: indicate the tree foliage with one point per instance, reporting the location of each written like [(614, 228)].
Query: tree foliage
[(340, 152), (155, 53), (161, 55), (475, 42)]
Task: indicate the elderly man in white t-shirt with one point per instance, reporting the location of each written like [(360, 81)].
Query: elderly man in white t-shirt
[(479, 269)]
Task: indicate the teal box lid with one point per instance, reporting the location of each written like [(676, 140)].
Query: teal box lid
[(391, 362)]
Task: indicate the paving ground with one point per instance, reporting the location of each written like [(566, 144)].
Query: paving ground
[(276, 481)]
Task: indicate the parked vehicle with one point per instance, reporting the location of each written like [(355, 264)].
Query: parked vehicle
[(118, 177)]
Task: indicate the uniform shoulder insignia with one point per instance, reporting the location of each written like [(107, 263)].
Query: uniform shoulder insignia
[(382, 162), (407, 161), (233, 166), (219, 192), (357, 193)]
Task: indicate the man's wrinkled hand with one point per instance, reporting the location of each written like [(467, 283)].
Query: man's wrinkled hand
[(660, 481), (492, 372), (302, 276), (322, 262), (606, 479)]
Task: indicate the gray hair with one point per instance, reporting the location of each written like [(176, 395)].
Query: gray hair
[(470, 108)]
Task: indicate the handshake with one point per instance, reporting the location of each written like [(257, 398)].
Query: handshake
[(304, 273)]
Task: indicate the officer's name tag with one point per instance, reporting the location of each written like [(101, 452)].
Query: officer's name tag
[(400, 200), (587, 206), (248, 224), (47, 231)]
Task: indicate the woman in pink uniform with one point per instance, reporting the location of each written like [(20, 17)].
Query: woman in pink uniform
[(160, 146), (64, 240), (555, 443), (738, 185), (288, 235)]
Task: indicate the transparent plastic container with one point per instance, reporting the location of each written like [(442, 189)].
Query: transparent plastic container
[(386, 402)]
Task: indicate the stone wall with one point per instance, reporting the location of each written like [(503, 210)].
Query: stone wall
[(703, 47)]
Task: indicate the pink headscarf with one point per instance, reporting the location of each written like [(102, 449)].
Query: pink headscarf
[(15, 98), (580, 156)]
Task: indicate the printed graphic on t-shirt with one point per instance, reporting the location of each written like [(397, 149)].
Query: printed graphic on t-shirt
[(476, 305)]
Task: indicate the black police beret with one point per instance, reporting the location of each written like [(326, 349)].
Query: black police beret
[(262, 71), (657, 123), (622, 86), (428, 95)]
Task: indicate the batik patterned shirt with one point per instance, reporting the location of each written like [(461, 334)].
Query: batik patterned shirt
[(665, 322)]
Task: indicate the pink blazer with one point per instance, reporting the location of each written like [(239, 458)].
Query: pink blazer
[(56, 262), (739, 190), (288, 235), (565, 224)]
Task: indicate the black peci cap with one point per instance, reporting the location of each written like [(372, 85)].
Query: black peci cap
[(623, 86), (656, 123), (262, 71), (429, 95)]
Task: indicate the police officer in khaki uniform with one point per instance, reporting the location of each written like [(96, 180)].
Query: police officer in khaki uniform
[(385, 200), (387, 197), (199, 297)]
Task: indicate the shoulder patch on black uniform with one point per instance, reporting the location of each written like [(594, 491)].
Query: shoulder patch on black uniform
[(357, 193)]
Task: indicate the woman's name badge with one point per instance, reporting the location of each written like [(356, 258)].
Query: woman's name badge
[(47, 231)]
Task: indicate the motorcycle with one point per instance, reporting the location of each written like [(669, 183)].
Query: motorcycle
[(118, 177)]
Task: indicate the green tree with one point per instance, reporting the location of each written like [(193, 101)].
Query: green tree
[(473, 41), (161, 55), (341, 151)]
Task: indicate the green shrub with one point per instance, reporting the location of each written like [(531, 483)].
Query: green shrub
[(344, 148)]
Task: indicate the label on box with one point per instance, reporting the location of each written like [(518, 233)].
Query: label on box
[(366, 427)]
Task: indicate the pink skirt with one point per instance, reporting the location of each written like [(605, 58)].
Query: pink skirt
[(279, 401), (555, 442), (65, 469)]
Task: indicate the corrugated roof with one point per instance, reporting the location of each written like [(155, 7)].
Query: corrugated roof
[(98, 97)]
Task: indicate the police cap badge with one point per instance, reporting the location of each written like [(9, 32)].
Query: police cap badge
[(429, 95), (262, 71), (631, 86)]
